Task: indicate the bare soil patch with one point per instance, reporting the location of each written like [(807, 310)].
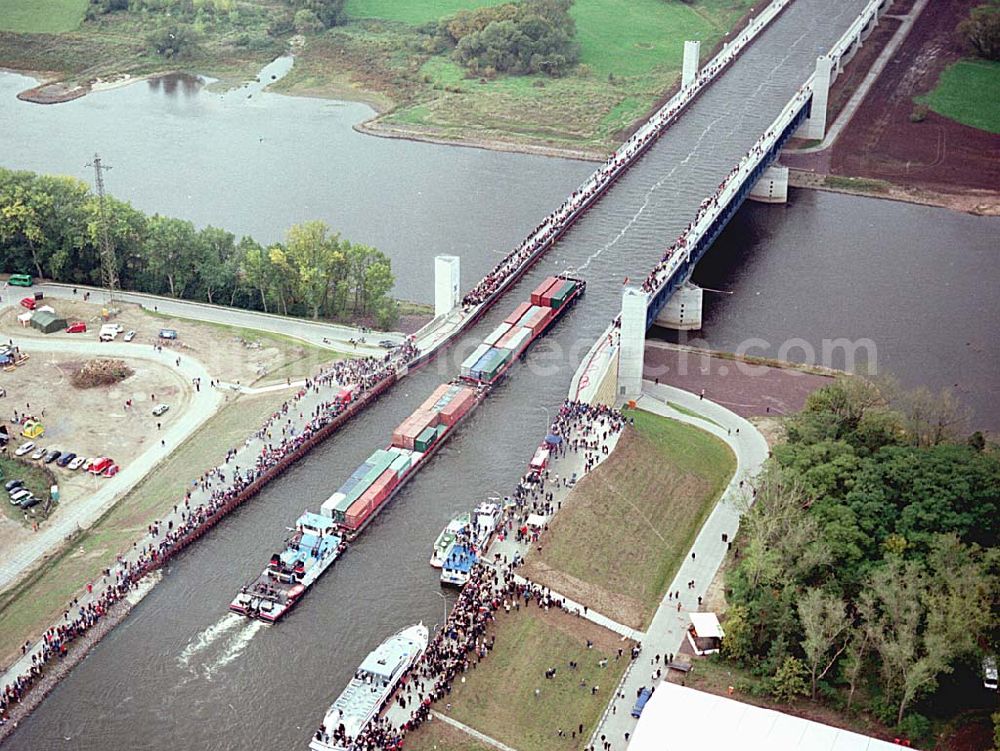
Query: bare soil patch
[(882, 142)]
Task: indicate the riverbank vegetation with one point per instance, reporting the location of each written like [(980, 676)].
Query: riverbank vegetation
[(50, 226), (658, 487), (548, 73), (865, 576)]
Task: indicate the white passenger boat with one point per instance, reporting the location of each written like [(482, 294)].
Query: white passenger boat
[(487, 519), (366, 694), (448, 537)]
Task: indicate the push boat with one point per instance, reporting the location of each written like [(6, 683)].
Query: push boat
[(383, 474), (365, 696), (457, 529), (313, 547)]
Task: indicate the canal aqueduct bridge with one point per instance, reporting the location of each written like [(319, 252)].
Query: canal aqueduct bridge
[(666, 296)]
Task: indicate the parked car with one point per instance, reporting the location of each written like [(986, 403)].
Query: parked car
[(65, 459), (77, 463), (99, 464), (52, 456), (160, 409), (990, 673), (17, 495), (640, 703), (11, 484), (77, 327), (39, 453), (25, 448), (129, 336), (28, 502), (28, 302), (168, 333), (388, 344), (110, 471)]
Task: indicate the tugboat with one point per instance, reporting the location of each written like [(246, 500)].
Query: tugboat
[(310, 551), (456, 528), (366, 694)]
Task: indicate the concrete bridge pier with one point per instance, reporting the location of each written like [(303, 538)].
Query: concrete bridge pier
[(814, 128), (683, 310), (446, 284), (692, 57), (632, 351), (772, 187)]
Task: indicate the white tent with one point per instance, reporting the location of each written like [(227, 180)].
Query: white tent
[(707, 625), (25, 318), (678, 719), (536, 520)]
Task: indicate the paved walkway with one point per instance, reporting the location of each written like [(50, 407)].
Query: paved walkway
[(82, 512), (668, 628)]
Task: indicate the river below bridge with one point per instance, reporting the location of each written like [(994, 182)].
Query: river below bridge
[(182, 672)]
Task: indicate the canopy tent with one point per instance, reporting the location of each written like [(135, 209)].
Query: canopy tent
[(553, 440), (47, 322), (679, 719), (536, 520), (25, 318)]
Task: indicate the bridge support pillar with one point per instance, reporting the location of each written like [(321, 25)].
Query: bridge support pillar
[(633, 342), (814, 128), (772, 187), (446, 284), (692, 56), (683, 310)]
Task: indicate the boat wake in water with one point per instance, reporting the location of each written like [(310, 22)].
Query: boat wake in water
[(209, 636), (235, 646)]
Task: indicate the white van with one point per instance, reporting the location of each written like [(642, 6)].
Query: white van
[(110, 331), (990, 673)]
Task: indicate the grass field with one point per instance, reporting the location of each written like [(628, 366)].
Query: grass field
[(439, 736), (968, 92), (33, 605), (41, 16), (412, 11), (36, 478), (639, 513), (498, 697)]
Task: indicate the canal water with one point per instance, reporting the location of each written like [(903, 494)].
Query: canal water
[(180, 670)]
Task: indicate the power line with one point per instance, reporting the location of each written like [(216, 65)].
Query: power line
[(109, 265)]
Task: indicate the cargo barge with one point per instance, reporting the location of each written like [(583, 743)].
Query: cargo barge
[(384, 473)]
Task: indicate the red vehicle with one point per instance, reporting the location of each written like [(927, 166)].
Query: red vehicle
[(28, 302), (99, 465), (77, 327)]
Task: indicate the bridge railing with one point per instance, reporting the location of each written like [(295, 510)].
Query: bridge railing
[(843, 45)]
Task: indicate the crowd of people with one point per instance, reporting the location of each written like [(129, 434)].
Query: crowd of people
[(463, 641), (279, 437), (556, 222)]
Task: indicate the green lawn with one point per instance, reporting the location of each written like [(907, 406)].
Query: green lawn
[(969, 92), (412, 11), (498, 697), (639, 513), (439, 736), (41, 16)]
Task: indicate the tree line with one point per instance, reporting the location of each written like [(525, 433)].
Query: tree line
[(50, 227), (867, 570)]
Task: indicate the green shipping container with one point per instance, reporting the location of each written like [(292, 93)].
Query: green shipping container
[(560, 297), (440, 430), (425, 439), (400, 464)]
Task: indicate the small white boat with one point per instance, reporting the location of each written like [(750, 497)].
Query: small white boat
[(448, 537), (366, 694), (487, 516)]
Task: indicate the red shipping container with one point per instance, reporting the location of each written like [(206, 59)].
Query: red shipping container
[(538, 296), (519, 311), (433, 398), (458, 406), (413, 426), (371, 499)]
